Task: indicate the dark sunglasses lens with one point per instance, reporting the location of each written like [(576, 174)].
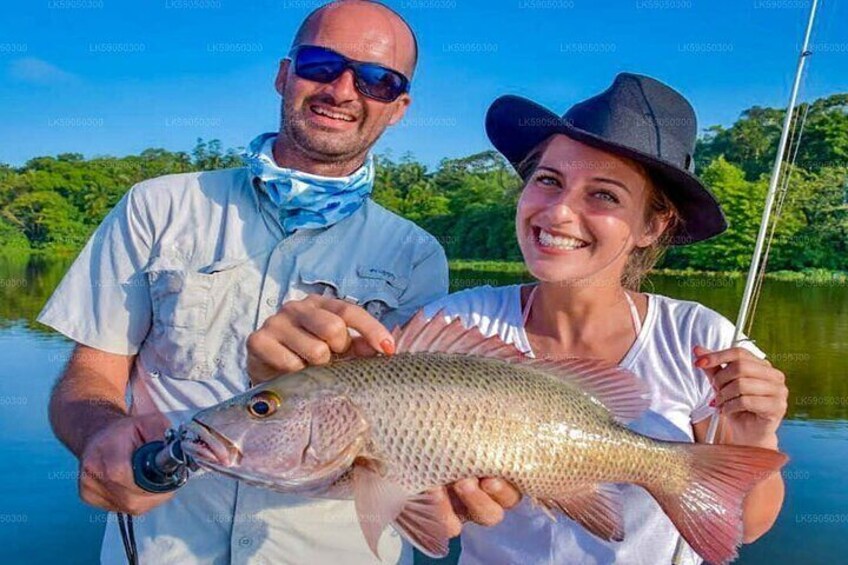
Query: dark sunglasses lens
[(320, 65), (379, 82)]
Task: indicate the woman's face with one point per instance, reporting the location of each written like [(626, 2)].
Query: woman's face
[(581, 213)]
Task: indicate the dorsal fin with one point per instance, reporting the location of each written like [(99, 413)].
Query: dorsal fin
[(439, 336), (624, 394)]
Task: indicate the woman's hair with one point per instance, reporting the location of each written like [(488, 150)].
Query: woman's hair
[(659, 208)]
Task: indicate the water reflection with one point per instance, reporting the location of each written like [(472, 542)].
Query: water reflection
[(802, 326)]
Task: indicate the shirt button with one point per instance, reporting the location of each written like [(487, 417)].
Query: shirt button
[(270, 302), (155, 374), (244, 542)]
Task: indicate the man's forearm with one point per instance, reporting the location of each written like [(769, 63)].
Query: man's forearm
[(84, 400)]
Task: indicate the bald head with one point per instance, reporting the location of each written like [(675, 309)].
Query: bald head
[(377, 26)]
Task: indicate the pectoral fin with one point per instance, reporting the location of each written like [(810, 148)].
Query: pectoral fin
[(380, 502)]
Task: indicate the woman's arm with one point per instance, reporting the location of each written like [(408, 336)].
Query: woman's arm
[(752, 399)]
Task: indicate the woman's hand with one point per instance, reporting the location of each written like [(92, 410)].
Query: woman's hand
[(751, 395), (482, 501)]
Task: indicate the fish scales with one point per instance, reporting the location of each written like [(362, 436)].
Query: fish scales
[(441, 417)]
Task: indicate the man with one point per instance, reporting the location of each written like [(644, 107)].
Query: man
[(162, 299)]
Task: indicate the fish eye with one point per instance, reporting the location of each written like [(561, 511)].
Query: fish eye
[(263, 404)]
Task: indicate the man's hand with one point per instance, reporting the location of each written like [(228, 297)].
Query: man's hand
[(106, 477), (308, 332)]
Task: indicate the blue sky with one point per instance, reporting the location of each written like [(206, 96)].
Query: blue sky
[(115, 77)]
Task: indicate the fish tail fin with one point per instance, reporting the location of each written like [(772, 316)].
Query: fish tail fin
[(707, 510)]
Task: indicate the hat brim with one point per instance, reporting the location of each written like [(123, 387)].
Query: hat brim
[(516, 125)]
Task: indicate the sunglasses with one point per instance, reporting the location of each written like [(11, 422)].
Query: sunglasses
[(320, 64)]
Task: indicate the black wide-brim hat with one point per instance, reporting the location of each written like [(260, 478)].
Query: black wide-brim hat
[(637, 117)]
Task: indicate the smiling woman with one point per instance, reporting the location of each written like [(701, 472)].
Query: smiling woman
[(606, 188)]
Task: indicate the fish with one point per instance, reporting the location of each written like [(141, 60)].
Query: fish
[(452, 403)]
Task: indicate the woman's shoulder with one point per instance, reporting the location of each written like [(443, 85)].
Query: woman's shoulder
[(688, 312), (482, 300), (704, 325)]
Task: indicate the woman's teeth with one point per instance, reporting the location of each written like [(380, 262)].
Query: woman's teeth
[(330, 114), (560, 242)]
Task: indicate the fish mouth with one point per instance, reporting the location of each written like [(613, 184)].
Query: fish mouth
[(208, 445)]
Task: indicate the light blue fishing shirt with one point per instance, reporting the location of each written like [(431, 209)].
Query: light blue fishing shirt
[(181, 271)]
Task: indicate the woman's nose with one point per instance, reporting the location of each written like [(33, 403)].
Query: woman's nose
[(563, 207)]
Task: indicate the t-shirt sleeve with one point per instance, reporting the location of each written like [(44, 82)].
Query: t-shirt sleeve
[(715, 332), (104, 301), (489, 309)]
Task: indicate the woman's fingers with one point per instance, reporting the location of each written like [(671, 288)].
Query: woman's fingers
[(766, 407), (738, 362), (749, 386), (501, 492), (445, 512), (481, 508)]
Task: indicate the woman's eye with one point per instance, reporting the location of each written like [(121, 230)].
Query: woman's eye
[(605, 196), (547, 180)]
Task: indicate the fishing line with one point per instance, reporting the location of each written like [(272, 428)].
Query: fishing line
[(783, 190), (125, 524), (778, 211)]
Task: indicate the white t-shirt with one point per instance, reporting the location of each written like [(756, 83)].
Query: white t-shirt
[(680, 395)]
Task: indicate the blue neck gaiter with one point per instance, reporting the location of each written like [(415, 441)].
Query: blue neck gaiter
[(305, 200)]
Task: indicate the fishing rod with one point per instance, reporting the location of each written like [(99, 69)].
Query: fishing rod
[(753, 273)]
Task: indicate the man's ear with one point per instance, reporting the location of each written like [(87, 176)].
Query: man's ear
[(282, 76), (400, 105)]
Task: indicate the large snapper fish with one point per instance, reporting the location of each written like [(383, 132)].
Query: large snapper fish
[(451, 404)]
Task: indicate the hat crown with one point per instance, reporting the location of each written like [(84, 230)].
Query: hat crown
[(643, 114)]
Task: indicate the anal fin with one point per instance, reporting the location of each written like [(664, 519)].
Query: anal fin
[(596, 507)]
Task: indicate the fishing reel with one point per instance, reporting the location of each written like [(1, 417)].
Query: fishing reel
[(158, 467), (162, 466)]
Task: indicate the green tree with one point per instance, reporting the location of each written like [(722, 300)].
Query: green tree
[(47, 220), (742, 202)]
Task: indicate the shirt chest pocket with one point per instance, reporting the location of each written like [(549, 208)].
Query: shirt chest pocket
[(377, 290), (184, 342)]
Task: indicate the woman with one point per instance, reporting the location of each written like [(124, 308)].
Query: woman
[(606, 188)]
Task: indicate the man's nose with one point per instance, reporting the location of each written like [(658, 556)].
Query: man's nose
[(343, 89)]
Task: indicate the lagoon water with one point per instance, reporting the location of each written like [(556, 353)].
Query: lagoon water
[(803, 327)]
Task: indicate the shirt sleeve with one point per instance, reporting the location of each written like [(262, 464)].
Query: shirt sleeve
[(427, 282), (715, 332), (104, 301)]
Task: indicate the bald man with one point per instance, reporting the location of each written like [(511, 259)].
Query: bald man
[(163, 298)]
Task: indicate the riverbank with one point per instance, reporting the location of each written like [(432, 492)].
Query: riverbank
[(813, 276), (816, 276)]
